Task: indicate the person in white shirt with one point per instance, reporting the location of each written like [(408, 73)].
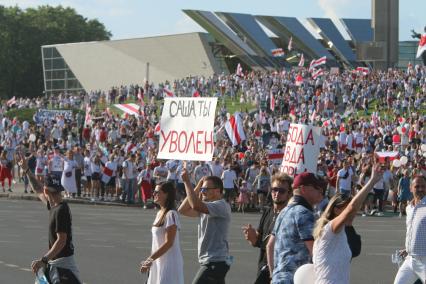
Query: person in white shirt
[(331, 253), (229, 178), (160, 173), (216, 168), (414, 265), (344, 179), (129, 178)]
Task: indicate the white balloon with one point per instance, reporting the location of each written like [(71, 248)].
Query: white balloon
[(423, 147), (396, 163), (305, 274), (404, 160)]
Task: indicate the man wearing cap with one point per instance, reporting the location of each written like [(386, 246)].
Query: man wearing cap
[(59, 261), (291, 239)]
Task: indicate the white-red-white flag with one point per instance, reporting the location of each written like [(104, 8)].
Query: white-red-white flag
[(11, 102), (363, 70), (195, 94), (168, 93), (302, 61), (422, 46), (277, 52), (157, 128), (318, 62), (234, 129), (88, 118), (272, 98), (290, 44), (239, 71), (316, 73), (299, 80)]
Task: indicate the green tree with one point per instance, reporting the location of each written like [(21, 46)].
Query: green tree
[(23, 32)]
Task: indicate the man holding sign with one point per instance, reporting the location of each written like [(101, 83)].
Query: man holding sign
[(187, 129)]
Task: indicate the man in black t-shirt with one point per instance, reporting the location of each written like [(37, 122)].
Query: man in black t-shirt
[(280, 192), (59, 263)]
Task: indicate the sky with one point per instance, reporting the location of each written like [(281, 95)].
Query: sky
[(141, 18)]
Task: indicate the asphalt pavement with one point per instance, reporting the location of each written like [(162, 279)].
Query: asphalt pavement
[(110, 242)]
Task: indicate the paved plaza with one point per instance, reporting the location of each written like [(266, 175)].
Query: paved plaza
[(111, 241)]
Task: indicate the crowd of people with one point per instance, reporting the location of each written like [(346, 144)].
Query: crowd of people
[(365, 118)]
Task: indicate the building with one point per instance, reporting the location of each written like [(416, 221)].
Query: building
[(231, 38)]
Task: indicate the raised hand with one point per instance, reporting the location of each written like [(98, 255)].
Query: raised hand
[(377, 172)]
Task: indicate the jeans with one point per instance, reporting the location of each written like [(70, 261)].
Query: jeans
[(211, 273), (412, 269), (128, 186)]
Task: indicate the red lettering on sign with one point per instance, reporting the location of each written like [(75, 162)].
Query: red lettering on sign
[(209, 142), (300, 137), (310, 137), (182, 136), (173, 141), (165, 139), (301, 156)]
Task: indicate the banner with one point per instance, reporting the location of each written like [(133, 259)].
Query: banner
[(275, 156), (51, 114), (187, 129), (301, 150)]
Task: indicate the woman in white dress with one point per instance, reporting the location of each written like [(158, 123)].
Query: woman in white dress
[(68, 180), (165, 264), (331, 252)]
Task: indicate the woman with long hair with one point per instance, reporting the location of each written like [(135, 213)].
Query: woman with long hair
[(165, 264), (331, 252)]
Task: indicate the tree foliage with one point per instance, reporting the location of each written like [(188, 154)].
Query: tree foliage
[(23, 32)]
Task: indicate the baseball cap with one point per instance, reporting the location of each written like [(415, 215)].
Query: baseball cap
[(53, 183), (306, 178)]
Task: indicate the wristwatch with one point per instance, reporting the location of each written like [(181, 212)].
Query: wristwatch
[(45, 260)]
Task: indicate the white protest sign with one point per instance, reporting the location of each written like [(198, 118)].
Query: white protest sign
[(301, 149), (187, 129)]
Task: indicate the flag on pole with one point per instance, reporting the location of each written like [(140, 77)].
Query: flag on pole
[(11, 102), (277, 52), (316, 73), (422, 46), (290, 44), (318, 62), (234, 129), (272, 98), (302, 61), (168, 93), (239, 71), (88, 118), (299, 80), (363, 70)]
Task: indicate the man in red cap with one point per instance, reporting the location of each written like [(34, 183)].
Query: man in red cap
[(292, 240)]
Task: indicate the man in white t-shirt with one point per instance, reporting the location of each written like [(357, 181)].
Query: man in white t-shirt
[(216, 168), (160, 173), (344, 179), (229, 178), (129, 179)]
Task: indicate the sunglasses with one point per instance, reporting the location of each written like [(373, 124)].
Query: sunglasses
[(204, 189), (279, 189), (156, 192)]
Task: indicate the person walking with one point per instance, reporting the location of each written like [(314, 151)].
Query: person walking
[(165, 264), (331, 251), (414, 265), (214, 215), (291, 240), (281, 193), (59, 262)]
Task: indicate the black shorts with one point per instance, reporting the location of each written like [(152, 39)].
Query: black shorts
[(111, 182), (230, 193), (96, 176)]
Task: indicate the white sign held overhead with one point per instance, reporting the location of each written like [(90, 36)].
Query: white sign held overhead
[(302, 149), (187, 129)]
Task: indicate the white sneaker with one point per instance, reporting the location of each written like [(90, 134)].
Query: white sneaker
[(380, 214), (364, 215)]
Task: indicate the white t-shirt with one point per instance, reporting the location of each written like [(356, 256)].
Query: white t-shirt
[(332, 257), (345, 183), (228, 177), (217, 169)]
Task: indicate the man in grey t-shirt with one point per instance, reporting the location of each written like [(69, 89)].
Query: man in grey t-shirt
[(215, 216)]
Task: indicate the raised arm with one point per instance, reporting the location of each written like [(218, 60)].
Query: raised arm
[(185, 208), (34, 183), (350, 211)]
